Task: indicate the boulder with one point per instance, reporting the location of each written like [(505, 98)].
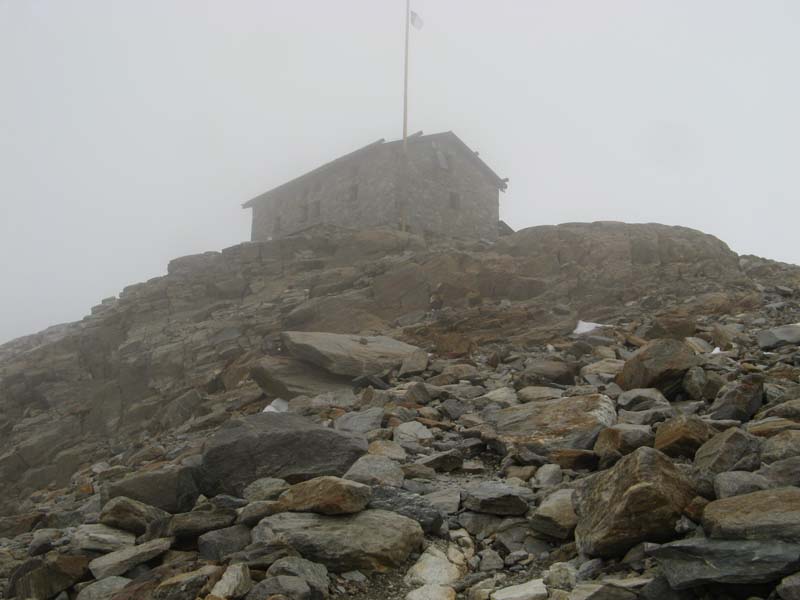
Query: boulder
[(186, 586), (412, 432), (637, 500), (408, 504), (540, 370), (495, 498), (736, 483), (372, 540), (281, 587), (172, 488), (124, 559), (433, 567), (103, 589), (603, 371), (360, 421), (326, 496), (555, 517), (789, 588), (278, 445), (769, 339), (197, 522), (286, 377), (432, 592), (739, 400), (547, 425), (349, 355), (314, 574), (265, 488), (731, 450), (131, 515), (372, 469), (234, 583), (642, 399), (622, 439), (699, 561), (97, 537), (444, 462), (218, 544), (763, 515), (531, 590), (780, 446), (681, 436), (43, 578), (659, 364)]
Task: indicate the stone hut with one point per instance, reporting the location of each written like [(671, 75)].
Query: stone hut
[(436, 185)]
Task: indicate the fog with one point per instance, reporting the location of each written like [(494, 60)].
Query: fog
[(132, 131)]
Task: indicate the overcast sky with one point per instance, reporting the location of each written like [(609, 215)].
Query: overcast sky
[(132, 130)]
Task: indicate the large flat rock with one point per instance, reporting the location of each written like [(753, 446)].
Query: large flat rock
[(286, 377), (766, 515), (280, 445), (372, 540), (699, 561), (349, 355), (572, 422)]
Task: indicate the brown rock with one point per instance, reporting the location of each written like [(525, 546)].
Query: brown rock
[(637, 500), (326, 496), (44, 578), (763, 515), (681, 436), (660, 364)]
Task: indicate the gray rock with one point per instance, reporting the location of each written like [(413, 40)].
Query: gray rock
[(549, 475), (103, 589), (314, 574), (731, 450), (279, 445), (789, 588), (496, 498), (372, 540), (444, 462), (555, 517), (412, 432), (739, 400), (642, 399), (198, 522), (698, 561), (349, 355), (736, 483), (234, 583), (780, 446), (122, 560), (409, 505), (769, 339), (783, 472), (360, 421), (101, 538), (217, 545), (372, 469), (647, 417), (172, 489), (282, 586), (288, 378), (266, 488), (131, 515)]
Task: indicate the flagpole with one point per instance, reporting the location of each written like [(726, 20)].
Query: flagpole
[(405, 81)]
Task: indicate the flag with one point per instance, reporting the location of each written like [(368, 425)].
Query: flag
[(416, 20)]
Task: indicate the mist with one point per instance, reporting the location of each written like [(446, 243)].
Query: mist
[(132, 132)]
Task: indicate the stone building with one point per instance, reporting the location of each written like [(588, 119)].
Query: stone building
[(436, 185)]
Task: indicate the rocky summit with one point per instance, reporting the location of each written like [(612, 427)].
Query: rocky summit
[(583, 411)]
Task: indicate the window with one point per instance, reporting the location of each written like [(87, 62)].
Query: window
[(455, 200), (353, 196)]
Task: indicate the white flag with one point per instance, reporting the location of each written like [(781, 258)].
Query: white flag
[(416, 20)]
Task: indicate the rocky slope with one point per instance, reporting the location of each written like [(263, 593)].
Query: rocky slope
[(200, 437)]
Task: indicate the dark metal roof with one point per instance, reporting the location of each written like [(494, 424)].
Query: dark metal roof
[(501, 183)]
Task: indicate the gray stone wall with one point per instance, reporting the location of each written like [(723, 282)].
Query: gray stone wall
[(438, 189)]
